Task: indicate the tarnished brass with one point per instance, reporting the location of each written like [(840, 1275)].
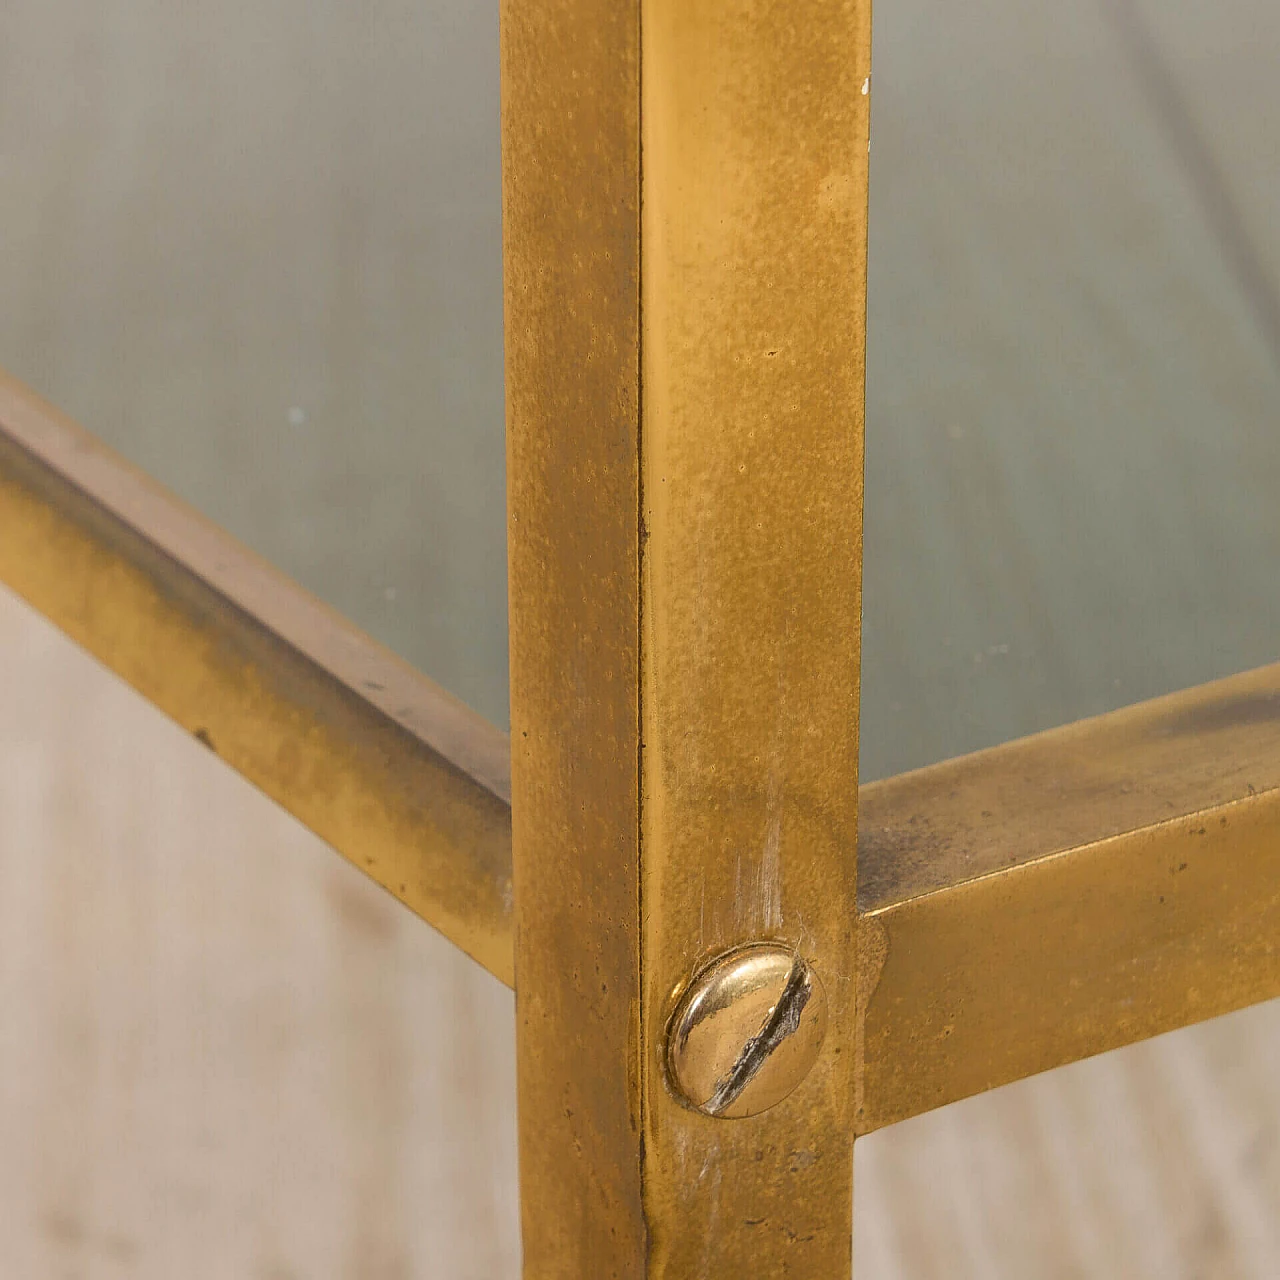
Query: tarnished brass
[(684, 376), (1073, 892), (571, 265), (746, 1031), (396, 774), (1019, 909)]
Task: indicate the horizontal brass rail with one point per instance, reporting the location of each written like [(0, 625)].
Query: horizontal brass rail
[(1031, 905), (1019, 908), (397, 775)]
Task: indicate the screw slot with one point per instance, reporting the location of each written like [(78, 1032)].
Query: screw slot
[(746, 1031)]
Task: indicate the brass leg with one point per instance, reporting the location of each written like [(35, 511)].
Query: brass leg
[(685, 192)]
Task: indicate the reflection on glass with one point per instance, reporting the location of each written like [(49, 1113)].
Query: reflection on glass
[(256, 246), (1073, 487)]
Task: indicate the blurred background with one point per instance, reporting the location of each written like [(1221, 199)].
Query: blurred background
[(257, 248)]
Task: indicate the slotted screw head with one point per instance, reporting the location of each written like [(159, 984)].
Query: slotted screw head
[(746, 1031)]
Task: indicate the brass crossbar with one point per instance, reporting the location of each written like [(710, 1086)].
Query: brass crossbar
[(397, 775), (1019, 908), (1069, 893)]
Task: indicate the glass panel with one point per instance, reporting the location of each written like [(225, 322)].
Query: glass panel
[(1073, 484), (256, 246)]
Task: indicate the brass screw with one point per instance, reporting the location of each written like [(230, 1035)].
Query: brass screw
[(746, 1031)]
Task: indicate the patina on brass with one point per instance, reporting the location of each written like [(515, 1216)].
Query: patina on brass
[(746, 1031), (684, 346), (1019, 909), (684, 377), (398, 775), (1069, 893)]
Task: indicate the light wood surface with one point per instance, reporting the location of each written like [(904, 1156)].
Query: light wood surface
[(223, 1051)]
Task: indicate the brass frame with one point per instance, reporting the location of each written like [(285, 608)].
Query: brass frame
[(685, 270), (684, 667), (397, 775)]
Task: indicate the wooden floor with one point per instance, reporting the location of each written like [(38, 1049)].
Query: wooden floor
[(224, 1053), (255, 246)]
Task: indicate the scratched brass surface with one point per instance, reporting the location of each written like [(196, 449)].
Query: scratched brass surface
[(1114, 781), (684, 549), (571, 243), (754, 265), (396, 774), (1107, 785), (746, 1031), (1052, 898)]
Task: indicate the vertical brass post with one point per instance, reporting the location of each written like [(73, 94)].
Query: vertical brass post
[(685, 214)]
